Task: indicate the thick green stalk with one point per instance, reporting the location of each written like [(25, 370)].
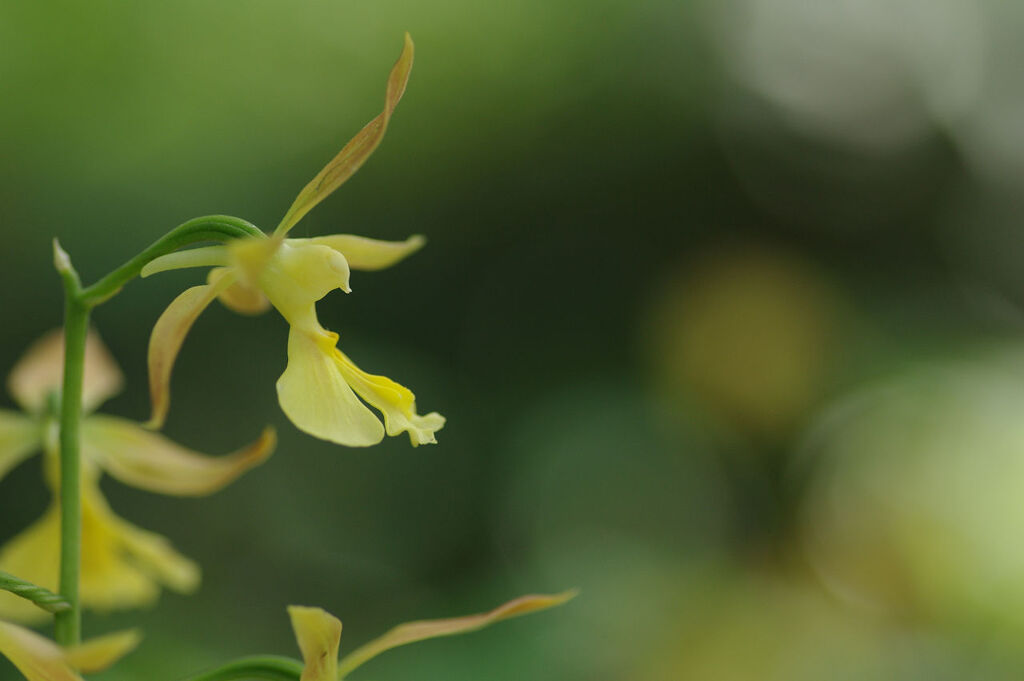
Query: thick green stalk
[(68, 623), (268, 668)]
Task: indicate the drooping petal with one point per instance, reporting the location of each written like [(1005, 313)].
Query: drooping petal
[(166, 340), (19, 437), (319, 634), (357, 151), (101, 652), (150, 461), (298, 276), (40, 373), (396, 402), (239, 296), (205, 256), (363, 253), (314, 395), (38, 658), (410, 632)]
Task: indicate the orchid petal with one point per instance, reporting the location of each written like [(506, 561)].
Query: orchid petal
[(314, 395), (363, 253), (354, 154), (205, 256), (19, 437), (396, 402), (410, 632), (101, 652), (38, 658), (40, 373), (166, 340), (319, 634), (298, 276), (147, 460), (239, 296)]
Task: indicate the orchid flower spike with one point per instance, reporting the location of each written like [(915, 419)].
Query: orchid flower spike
[(40, 659), (318, 390), (122, 565), (319, 634)]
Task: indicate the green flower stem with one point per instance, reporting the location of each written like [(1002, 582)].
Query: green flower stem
[(221, 228), (267, 667), (44, 598), (79, 302)]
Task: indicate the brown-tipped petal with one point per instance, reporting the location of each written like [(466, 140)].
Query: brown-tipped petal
[(369, 254), (37, 658), (40, 373), (318, 633), (354, 154), (101, 652), (166, 340), (150, 461), (410, 632)]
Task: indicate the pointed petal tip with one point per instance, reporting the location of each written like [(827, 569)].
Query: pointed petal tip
[(97, 654)]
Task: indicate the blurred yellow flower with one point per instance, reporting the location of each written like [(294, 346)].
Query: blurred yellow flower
[(319, 386), (40, 659), (319, 634), (122, 565)]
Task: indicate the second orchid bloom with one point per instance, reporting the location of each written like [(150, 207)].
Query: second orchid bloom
[(321, 391)]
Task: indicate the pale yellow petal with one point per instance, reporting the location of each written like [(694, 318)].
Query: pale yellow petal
[(239, 296), (411, 632), (155, 556), (40, 373), (314, 395), (19, 437), (319, 634), (34, 555), (150, 461), (396, 402), (166, 340), (101, 652), (298, 276), (37, 658), (363, 253), (205, 256), (354, 154)]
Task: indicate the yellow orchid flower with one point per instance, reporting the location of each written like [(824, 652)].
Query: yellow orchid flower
[(122, 565), (40, 659), (318, 390), (319, 634)]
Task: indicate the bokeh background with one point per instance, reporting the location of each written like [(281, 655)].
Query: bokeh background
[(723, 301)]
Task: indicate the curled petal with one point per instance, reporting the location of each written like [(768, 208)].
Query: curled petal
[(314, 395), (319, 634), (354, 154), (239, 296), (37, 658), (40, 373), (166, 340), (369, 254), (410, 632), (101, 652), (144, 459), (396, 402), (19, 437)]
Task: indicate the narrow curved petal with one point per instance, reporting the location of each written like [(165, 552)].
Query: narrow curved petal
[(319, 634), (239, 296), (396, 402), (410, 632), (166, 340), (314, 395), (150, 461), (19, 437), (205, 256), (40, 373), (101, 652), (369, 254), (354, 154), (37, 658)]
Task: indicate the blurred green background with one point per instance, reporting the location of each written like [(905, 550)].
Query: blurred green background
[(722, 300)]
